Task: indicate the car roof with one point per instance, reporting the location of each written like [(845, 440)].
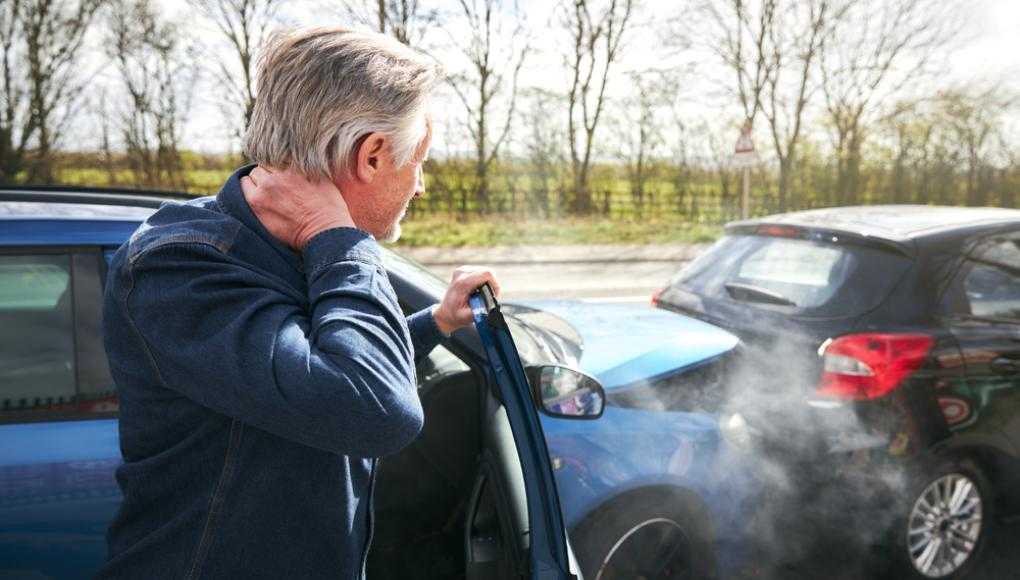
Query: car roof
[(40, 216), (81, 203), (894, 223)]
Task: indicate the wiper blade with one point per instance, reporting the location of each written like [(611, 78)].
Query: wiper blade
[(751, 293)]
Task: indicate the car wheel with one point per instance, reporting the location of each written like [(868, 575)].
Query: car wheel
[(946, 522), (648, 537)]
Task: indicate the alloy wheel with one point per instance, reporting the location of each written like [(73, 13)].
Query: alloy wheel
[(656, 549), (944, 525)]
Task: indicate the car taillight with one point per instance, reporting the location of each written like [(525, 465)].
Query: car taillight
[(869, 366), (656, 294)]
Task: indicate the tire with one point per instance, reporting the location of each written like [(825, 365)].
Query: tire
[(656, 535), (944, 523)]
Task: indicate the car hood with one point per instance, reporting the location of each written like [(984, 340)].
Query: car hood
[(622, 344)]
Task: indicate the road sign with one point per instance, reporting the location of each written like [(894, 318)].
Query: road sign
[(743, 153), (744, 157)]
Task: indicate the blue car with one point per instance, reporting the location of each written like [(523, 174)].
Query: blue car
[(545, 418)]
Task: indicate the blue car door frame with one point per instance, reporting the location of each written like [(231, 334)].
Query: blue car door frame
[(549, 557)]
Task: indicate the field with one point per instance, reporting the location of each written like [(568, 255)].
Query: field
[(431, 223)]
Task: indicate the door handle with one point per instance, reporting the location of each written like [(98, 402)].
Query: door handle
[(1005, 366)]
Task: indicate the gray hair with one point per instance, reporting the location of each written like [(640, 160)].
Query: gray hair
[(321, 90)]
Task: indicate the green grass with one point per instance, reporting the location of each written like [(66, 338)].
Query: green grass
[(451, 231)]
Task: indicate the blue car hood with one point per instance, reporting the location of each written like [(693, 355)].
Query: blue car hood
[(622, 344)]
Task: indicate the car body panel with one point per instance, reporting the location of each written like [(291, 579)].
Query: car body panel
[(57, 494), (56, 232), (656, 342)]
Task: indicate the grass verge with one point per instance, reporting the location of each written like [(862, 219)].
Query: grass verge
[(452, 231)]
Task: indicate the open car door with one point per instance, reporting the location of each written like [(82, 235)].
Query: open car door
[(547, 553)]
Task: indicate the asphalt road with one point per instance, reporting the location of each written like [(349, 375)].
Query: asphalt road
[(613, 281), (1000, 561)]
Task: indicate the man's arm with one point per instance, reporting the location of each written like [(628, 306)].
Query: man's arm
[(332, 370), (425, 333)]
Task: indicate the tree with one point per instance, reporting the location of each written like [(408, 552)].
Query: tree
[(244, 24), (495, 57), (879, 48), (772, 47), (974, 118), (40, 49), (543, 147), (406, 20), (596, 35), (640, 133), (155, 65)]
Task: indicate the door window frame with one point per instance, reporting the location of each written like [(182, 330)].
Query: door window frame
[(86, 262)]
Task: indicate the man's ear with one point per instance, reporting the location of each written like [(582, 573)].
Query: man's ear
[(369, 157)]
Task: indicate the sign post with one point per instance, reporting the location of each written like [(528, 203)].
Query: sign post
[(744, 156)]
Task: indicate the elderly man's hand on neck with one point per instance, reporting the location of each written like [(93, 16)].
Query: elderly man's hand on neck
[(291, 207)]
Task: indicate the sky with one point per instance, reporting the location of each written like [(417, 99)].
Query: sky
[(990, 48)]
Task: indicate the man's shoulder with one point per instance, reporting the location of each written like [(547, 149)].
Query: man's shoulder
[(197, 221)]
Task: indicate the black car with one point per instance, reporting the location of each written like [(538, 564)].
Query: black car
[(881, 369)]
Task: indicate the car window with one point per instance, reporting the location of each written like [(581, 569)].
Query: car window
[(817, 277), (992, 282), (806, 273), (414, 273), (52, 361), (37, 356), (439, 365)]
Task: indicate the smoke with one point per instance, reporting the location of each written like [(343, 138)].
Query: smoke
[(828, 490), (828, 484)]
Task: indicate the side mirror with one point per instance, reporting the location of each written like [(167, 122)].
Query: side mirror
[(566, 393)]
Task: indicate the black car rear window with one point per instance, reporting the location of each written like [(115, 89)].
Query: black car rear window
[(812, 277)]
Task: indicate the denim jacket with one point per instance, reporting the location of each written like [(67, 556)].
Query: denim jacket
[(256, 388)]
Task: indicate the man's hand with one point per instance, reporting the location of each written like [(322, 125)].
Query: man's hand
[(454, 311), (292, 208)]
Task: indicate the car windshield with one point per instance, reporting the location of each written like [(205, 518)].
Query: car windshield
[(804, 275), (541, 337), (414, 273)]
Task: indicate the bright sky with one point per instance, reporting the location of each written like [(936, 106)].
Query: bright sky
[(991, 49)]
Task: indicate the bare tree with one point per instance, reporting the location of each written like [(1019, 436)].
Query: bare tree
[(640, 135), (40, 48), (879, 48), (543, 146), (406, 20), (157, 71), (772, 48), (495, 56), (596, 34), (738, 33), (974, 118), (244, 25)]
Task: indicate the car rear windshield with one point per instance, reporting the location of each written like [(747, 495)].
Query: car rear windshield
[(812, 277)]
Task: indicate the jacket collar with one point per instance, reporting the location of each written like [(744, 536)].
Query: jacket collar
[(231, 201)]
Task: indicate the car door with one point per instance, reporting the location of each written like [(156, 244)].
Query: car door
[(986, 323), (57, 414), (548, 551)]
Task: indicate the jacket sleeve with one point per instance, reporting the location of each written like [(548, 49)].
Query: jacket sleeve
[(332, 369), (425, 334)]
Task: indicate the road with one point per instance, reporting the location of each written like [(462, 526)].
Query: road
[(600, 282)]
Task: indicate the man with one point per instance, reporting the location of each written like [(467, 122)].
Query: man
[(261, 356)]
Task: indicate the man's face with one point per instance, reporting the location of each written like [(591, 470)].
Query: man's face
[(397, 187)]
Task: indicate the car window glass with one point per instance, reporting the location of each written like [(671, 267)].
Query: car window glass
[(439, 365), (1001, 252), (37, 369), (413, 272), (819, 278), (993, 292)]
